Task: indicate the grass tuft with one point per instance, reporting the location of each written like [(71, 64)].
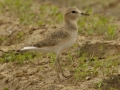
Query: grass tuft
[(100, 25)]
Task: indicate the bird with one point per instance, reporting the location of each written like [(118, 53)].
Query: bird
[(61, 38)]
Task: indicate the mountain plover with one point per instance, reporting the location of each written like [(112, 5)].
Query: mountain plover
[(60, 39)]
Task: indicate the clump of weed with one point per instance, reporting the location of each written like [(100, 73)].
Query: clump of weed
[(20, 35), (5, 89), (52, 57), (26, 15), (2, 39), (92, 67), (108, 83), (100, 25), (99, 85), (113, 89), (18, 57), (47, 16)]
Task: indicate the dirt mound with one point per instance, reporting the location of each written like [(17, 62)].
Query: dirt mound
[(100, 49)]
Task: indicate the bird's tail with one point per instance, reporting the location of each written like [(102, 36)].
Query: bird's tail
[(43, 49), (29, 49)]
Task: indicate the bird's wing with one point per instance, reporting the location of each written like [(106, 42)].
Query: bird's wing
[(53, 38)]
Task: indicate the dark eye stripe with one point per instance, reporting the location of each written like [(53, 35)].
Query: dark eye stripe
[(73, 11)]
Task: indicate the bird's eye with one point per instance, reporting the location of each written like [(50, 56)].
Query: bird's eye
[(73, 11)]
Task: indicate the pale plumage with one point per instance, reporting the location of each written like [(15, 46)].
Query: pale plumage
[(54, 38), (62, 38)]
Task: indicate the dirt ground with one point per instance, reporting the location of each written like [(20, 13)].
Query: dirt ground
[(38, 74)]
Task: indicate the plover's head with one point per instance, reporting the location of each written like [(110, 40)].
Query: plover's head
[(73, 13)]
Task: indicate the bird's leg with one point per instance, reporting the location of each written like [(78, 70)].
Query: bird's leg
[(60, 68), (56, 66)]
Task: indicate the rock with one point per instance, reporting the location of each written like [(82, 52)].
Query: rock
[(19, 73), (2, 76), (1, 52), (88, 78), (31, 71)]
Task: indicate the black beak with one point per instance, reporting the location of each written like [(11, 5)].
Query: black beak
[(85, 14)]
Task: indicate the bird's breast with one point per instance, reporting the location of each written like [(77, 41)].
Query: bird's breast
[(70, 41), (66, 43)]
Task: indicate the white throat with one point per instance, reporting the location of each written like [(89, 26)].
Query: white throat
[(71, 24)]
